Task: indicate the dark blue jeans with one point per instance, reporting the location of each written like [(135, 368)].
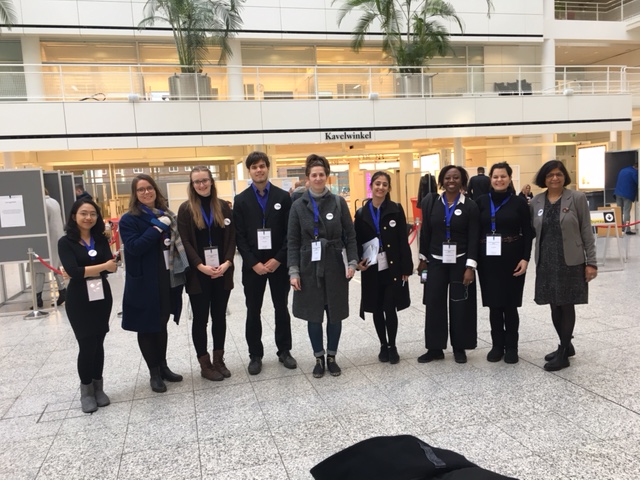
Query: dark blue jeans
[(317, 341)]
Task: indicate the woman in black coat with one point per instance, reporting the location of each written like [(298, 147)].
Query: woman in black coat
[(86, 258), (385, 286), (156, 262), (449, 250), (505, 249)]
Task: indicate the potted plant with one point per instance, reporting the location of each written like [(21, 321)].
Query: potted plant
[(412, 34), (7, 13), (195, 24)]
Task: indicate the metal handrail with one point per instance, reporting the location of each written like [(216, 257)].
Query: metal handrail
[(132, 83), (612, 10)]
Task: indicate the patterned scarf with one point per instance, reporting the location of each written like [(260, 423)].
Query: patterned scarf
[(178, 262)]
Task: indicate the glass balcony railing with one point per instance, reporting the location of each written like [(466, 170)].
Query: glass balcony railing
[(91, 83), (611, 10)]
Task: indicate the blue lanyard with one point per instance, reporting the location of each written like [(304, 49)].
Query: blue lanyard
[(262, 201), (494, 210), (150, 212), (91, 246), (208, 221), (375, 214), (448, 213), (316, 216)]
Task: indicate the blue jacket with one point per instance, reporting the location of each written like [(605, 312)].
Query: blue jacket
[(627, 184)]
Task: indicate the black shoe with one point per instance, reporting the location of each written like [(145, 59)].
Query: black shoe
[(511, 355), (629, 232), (495, 354), (460, 356), (157, 385), (332, 366), (318, 370), (431, 355), (168, 375), (62, 296), (383, 356), (571, 352), (560, 361), (287, 360), (255, 366), (394, 358)]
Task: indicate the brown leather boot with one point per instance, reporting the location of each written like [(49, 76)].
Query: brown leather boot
[(206, 369), (218, 363)]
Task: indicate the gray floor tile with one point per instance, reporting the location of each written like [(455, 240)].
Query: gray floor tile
[(162, 463)]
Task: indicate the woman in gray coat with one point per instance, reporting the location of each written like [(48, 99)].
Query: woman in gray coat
[(322, 258), (565, 254)]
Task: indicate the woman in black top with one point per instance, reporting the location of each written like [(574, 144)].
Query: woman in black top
[(86, 257), (385, 286), (449, 249), (505, 248)]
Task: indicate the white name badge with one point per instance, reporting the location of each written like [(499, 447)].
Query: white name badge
[(166, 258), (94, 289), (382, 261), (392, 223), (540, 212), (277, 206), (92, 253), (449, 252), (167, 242), (494, 245), (264, 239), (211, 257), (316, 251)]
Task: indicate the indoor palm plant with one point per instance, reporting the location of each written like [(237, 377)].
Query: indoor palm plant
[(412, 30), (196, 25), (7, 13)]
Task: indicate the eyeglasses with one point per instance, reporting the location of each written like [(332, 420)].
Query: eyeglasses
[(88, 214), (557, 175), (148, 189), (201, 182)]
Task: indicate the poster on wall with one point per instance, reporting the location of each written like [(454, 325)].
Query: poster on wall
[(12, 211), (591, 167)]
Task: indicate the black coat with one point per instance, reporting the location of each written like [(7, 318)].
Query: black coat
[(478, 186), (247, 215), (393, 230), (402, 457)]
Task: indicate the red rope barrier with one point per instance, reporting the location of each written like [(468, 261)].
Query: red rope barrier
[(413, 234), (626, 225), (55, 270)]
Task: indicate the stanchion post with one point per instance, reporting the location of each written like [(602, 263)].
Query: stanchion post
[(36, 313)]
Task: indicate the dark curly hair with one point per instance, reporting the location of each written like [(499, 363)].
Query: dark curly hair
[(464, 176)]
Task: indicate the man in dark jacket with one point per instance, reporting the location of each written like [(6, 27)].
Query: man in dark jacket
[(261, 215), (479, 184)]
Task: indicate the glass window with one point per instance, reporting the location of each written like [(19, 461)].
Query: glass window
[(88, 52), (174, 169), (278, 55), (138, 170), (10, 51), (346, 56)]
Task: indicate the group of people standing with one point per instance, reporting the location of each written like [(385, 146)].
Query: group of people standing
[(313, 246), (494, 234)]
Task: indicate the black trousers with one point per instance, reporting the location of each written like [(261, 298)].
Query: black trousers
[(91, 357), (153, 345), (444, 287), (254, 287), (213, 300)]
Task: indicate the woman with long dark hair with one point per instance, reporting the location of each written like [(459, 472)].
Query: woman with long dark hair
[(565, 255), (505, 249), (449, 254), (86, 257), (208, 231), (385, 277), (155, 273)]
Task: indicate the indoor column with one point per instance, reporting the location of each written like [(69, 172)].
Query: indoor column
[(32, 68)]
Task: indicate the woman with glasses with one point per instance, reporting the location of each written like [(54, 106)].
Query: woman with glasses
[(383, 246), (565, 255), (448, 258), (209, 235), (155, 273), (86, 258), (322, 258), (505, 249)]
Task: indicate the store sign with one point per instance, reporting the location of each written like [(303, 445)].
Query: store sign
[(341, 136)]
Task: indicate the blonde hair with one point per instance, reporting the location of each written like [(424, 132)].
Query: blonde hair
[(195, 202)]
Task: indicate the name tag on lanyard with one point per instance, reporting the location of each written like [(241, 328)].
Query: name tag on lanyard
[(316, 251), (382, 261), (494, 245), (95, 289), (211, 257), (264, 239), (449, 252), (166, 258)]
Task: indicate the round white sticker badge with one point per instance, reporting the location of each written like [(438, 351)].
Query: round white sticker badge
[(227, 221), (277, 206), (167, 241), (92, 253), (457, 212), (392, 223), (329, 216), (540, 212)]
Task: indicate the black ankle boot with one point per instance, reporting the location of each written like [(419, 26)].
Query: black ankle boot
[(571, 352), (383, 356), (318, 370), (560, 361), (394, 358), (155, 380), (168, 375)]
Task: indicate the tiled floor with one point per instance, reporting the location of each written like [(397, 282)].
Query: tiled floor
[(579, 423)]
